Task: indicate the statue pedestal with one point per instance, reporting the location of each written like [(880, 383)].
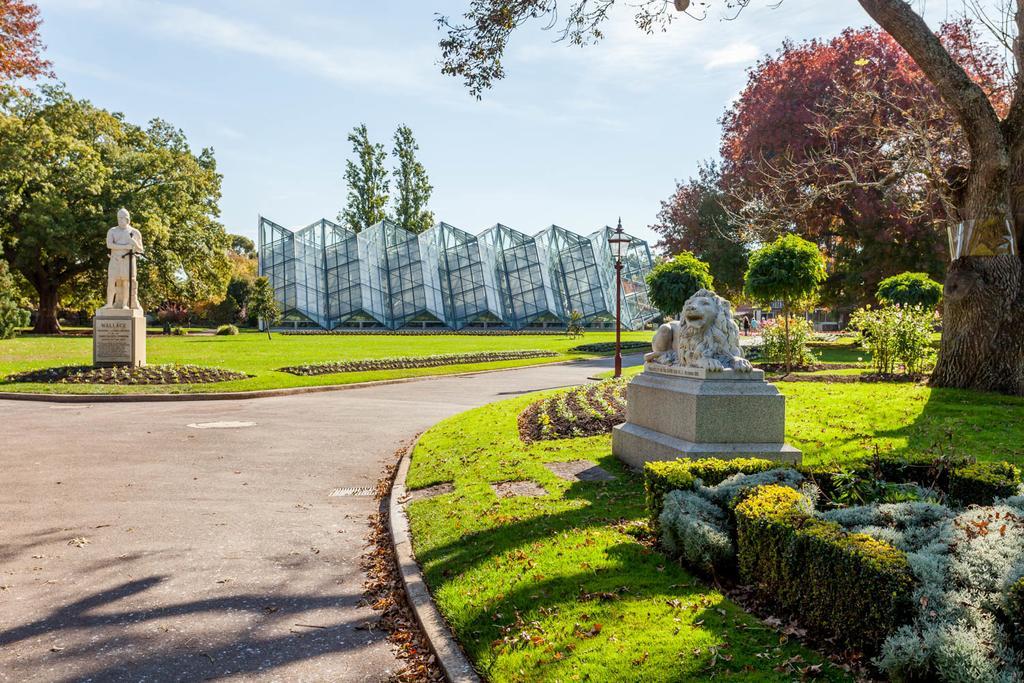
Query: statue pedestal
[(118, 337), (679, 412)]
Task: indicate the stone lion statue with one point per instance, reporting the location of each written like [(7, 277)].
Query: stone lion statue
[(706, 336)]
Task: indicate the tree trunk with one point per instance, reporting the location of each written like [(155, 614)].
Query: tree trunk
[(46, 318), (982, 340), (789, 346)]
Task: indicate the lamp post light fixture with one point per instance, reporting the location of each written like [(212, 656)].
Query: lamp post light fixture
[(619, 243)]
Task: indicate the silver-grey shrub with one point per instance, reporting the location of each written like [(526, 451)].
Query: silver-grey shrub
[(696, 525), (964, 562), (696, 531)]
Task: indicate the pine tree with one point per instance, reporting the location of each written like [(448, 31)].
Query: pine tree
[(414, 187), (367, 182)]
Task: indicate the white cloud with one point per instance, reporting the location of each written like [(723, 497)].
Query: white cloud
[(734, 54), (349, 64)]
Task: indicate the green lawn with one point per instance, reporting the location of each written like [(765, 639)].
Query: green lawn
[(840, 422), (254, 354), (556, 589)]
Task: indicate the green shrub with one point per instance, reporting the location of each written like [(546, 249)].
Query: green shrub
[(982, 482), (659, 479), (847, 587), (12, 316), (910, 289), (964, 482), (672, 475), (897, 337), (779, 346), (227, 330)]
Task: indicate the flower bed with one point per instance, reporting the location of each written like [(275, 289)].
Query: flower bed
[(933, 589), (150, 374), (584, 411), (403, 363), (608, 347)]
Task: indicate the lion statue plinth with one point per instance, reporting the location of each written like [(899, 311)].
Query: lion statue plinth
[(705, 337)]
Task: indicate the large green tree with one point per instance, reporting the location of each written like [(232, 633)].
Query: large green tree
[(66, 167), (367, 181), (412, 186)]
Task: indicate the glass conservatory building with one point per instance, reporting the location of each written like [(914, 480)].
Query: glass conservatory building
[(327, 276)]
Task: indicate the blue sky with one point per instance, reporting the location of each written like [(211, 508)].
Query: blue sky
[(573, 136)]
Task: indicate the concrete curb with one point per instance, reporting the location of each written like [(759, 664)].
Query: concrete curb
[(245, 395), (457, 667)]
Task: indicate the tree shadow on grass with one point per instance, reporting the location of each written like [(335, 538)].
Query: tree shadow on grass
[(541, 614), (982, 425)]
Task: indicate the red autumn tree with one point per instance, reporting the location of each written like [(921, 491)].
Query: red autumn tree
[(695, 219), (20, 45), (846, 143)]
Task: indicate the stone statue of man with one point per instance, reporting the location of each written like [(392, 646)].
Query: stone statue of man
[(124, 243)]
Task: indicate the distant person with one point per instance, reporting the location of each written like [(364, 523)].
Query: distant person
[(746, 326), (754, 325)]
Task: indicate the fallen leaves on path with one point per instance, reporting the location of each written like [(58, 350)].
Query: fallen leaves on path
[(385, 594)]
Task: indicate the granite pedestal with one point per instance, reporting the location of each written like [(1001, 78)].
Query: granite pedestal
[(118, 337), (680, 412)]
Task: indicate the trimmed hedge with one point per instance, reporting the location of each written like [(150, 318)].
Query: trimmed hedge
[(671, 475), (982, 482), (976, 483), (847, 587)]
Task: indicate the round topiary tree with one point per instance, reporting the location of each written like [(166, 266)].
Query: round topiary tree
[(910, 289), (672, 282), (789, 270)]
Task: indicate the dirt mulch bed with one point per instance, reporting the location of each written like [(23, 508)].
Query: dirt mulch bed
[(128, 376), (850, 379), (814, 367), (882, 377)]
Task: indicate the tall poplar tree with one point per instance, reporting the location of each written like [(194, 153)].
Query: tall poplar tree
[(413, 185), (367, 181)]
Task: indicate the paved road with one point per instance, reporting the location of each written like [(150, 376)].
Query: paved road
[(138, 542)]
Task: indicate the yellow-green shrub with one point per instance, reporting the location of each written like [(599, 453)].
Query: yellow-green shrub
[(847, 587), (671, 475)]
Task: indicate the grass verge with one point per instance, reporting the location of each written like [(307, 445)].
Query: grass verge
[(557, 588)]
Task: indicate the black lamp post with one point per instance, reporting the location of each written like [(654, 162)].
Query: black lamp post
[(618, 242)]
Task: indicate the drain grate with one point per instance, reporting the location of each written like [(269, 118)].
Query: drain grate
[(351, 491)]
